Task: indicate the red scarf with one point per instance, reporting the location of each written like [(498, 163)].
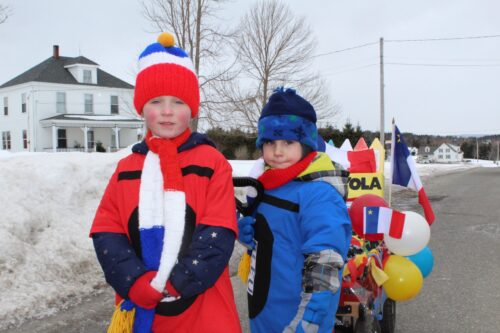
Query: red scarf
[(274, 178), (169, 161)]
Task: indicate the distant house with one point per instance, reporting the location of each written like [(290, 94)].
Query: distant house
[(444, 153), (448, 153), (65, 104), (426, 154)]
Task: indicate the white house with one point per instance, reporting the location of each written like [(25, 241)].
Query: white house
[(444, 153), (65, 104), (448, 153)]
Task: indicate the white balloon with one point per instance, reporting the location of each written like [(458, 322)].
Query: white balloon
[(416, 235)]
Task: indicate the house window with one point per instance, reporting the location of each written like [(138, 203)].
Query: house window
[(447, 150), (23, 103), (89, 103), (90, 139), (87, 76), (62, 142), (25, 139), (114, 104), (6, 140), (5, 106), (448, 157), (440, 150), (61, 102), (440, 157)]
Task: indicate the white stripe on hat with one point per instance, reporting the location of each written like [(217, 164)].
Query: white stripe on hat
[(165, 58)]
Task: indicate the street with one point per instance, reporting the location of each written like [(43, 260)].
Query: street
[(460, 295)]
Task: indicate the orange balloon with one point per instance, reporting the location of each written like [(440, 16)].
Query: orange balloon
[(405, 279)]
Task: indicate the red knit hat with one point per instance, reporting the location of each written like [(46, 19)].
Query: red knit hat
[(166, 70)]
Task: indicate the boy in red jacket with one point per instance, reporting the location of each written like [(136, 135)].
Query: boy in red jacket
[(165, 228)]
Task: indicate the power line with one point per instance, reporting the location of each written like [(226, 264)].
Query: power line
[(342, 50), (444, 59), (439, 65), (439, 39), (406, 40)]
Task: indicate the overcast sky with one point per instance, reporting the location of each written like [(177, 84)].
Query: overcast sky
[(431, 87)]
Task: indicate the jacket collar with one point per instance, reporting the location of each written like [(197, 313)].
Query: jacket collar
[(195, 139)]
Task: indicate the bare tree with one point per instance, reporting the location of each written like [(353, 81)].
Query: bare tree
[(193, 22), (4, 13), (273, 48)]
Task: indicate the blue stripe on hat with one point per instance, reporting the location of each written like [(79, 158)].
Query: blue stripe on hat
[(157, 47)]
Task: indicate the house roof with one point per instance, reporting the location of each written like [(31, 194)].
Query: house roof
[(93, 120), (53, 70), (455, 149), (432, 149)]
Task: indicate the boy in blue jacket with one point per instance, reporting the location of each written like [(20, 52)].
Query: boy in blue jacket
[(300, 231)]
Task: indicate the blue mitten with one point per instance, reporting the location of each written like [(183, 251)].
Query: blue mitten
[(316, 306), (246, 231)]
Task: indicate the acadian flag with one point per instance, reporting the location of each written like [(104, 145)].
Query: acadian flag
[(383, 220), (404, 172)]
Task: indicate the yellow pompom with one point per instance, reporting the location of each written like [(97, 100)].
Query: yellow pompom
[(166, 39)]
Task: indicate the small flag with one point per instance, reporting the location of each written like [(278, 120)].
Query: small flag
[(383, 220), (404, 172)]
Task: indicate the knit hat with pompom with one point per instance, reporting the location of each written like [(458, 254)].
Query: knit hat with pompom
[(166, 70)]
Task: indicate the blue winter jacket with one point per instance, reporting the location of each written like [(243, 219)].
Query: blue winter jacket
[(305, 216)]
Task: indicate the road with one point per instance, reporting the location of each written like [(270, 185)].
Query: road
[(460, 295)]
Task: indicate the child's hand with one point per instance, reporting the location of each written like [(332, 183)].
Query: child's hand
[(246, 231), (143, 294), (313, 309), (317, 307)]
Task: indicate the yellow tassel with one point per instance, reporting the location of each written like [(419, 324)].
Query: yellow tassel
[(122, 320), (378, 275), (244, 267), (346, 271)]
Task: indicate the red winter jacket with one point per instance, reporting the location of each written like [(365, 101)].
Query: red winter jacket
[(207, 302)]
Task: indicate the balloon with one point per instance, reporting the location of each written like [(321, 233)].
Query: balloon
[(424, 261), (356, 214), (405, 280), (416, 235)]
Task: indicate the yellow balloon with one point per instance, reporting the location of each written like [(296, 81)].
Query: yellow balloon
[(405, 279)]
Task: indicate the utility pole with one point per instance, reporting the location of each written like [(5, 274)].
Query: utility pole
[(382, 130), (477, 150), (498, 151)]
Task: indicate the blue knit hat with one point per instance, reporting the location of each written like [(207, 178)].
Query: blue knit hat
[(288, 116)]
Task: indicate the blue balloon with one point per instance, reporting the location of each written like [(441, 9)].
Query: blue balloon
[(424, 261)]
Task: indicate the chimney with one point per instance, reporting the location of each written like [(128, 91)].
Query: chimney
[(56, 52)]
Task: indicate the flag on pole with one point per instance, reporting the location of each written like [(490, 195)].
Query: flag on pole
[(404, 172), (383, 220)]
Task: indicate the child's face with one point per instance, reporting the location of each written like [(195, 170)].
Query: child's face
[(280, 154), (166, 116)]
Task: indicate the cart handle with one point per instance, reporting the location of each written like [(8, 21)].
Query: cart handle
[(244, 208)]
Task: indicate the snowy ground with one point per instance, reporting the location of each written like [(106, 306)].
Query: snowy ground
[(48, 201)]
